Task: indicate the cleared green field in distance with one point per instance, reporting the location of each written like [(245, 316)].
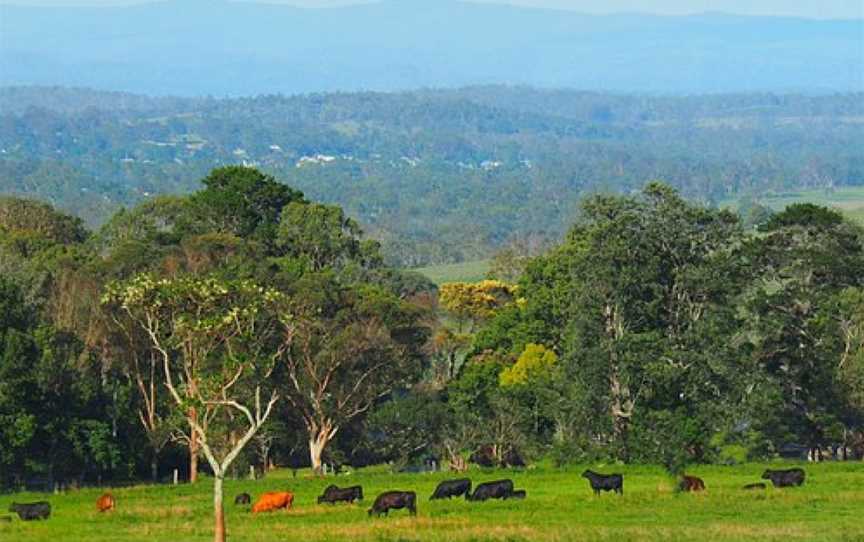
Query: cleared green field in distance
[(559, 507), (456, 272), (850, 200)]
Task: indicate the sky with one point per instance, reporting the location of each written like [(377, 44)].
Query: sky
[(820, 9)]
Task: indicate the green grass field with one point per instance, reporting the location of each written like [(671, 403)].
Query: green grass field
[(559, 507), (850, 200), (456, 272)]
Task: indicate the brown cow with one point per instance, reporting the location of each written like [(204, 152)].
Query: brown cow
[(273, 501), (691, 483), (105, 502)]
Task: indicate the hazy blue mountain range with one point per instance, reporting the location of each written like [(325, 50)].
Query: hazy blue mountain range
[(212, 47)]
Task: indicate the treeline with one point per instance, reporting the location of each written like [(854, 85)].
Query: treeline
[(246, 325), (436, 176), (662, 331), (123, 347)]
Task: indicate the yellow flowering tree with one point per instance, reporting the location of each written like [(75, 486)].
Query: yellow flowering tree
[(536, 361), (471, 303)]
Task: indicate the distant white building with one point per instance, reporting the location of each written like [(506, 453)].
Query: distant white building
[(317, 159)]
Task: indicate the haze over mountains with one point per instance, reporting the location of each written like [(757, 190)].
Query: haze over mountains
[(212, 47)]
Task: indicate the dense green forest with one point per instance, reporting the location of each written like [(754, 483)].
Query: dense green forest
[(246, 324), (436, 176)]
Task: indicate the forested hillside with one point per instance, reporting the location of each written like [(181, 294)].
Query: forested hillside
[(438, 175)]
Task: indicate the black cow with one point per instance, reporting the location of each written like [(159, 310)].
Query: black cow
[(519, 494), (784, 478), (483, 457), (452, 488), (750, 487), (31, 511), (499, 489), (243, 498), (394, 500), (605, 482), (512, 459), (333, 494)]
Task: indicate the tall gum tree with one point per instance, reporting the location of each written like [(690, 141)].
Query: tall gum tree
[(640, 283), (214, 338), (809, 262), (339, 364), (141, 364)]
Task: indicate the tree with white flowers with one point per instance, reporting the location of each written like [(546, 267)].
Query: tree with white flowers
[(218, 341)]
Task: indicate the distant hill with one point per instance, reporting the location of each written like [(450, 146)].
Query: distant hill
[(438, 176), (219, 48)]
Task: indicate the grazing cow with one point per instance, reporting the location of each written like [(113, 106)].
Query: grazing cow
[(452, 488), (750, 487), (483, 457), (518, 494), (243, 498), (512, 459), (784, 478), (605, 482), (499, 489), (31, 511), (394, 500), (333, 494), (691, 483), (105, 502), (273, 501)]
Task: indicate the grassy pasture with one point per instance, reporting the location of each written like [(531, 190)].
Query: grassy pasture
[(848, 199), (456, 272), (559, 507)]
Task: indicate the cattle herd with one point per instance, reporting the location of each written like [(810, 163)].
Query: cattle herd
[(398, 500)]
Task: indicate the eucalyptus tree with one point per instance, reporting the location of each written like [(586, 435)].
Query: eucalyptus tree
[(219, 341), (128, 345), (850, 366), (805, 259), (645, 271), (346, 353)]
